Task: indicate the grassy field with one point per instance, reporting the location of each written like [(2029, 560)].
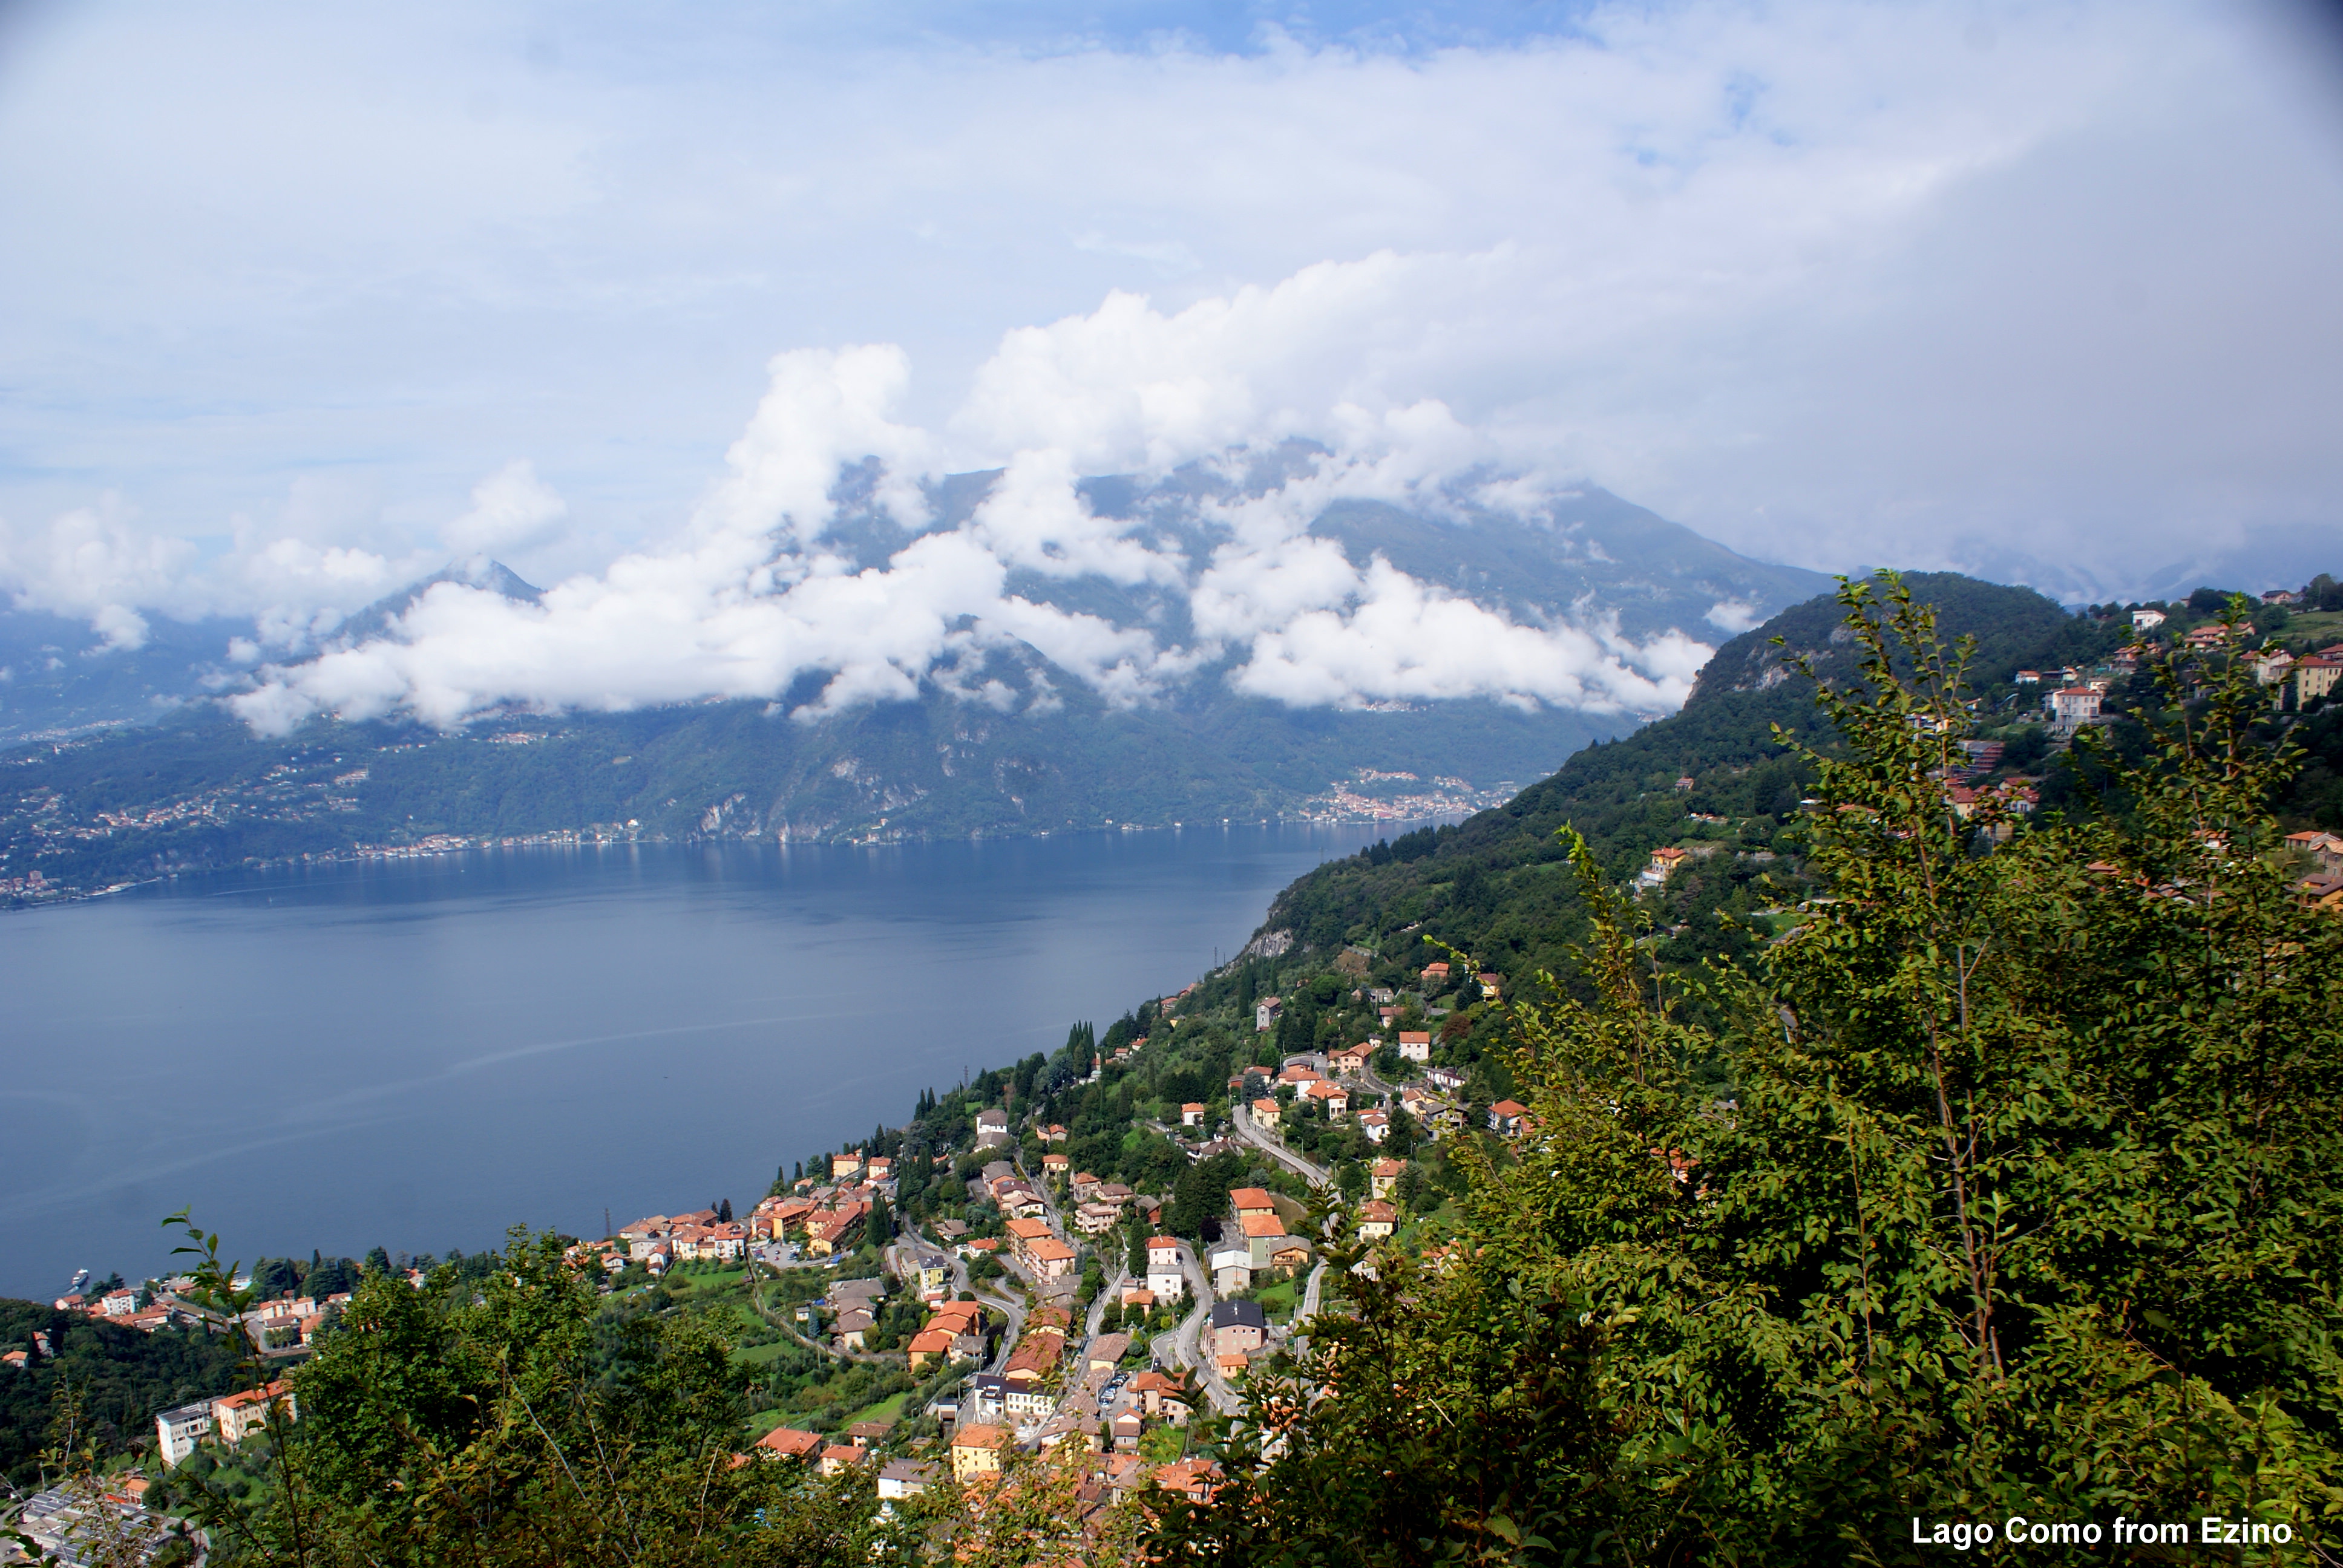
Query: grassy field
[(691, 1284), (1279, 1300), (888, 1408), (2322, 626)]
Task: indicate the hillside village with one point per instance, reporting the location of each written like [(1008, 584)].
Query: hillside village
[(1065, 1305), (1097, 1250)]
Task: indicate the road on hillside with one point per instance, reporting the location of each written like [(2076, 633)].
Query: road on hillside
[(1182, 1346), (1012, 1311), (1315, 1174), (1310, 1296), (1110, 1292)]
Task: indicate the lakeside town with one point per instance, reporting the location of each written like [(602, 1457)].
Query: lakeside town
[(1028, 1306)]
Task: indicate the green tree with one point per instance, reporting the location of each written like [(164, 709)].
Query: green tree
[(498, 1422), (2022, 1198)]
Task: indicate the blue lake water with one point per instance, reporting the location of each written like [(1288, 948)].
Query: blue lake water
[(419, 1053)]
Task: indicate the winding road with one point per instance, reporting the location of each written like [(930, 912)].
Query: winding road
[(1310, 1171), (1181, 1346)]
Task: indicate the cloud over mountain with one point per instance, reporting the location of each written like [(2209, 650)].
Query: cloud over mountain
[(298, 301), (755, 593)]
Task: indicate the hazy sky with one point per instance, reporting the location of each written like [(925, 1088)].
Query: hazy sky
[(296, 300)]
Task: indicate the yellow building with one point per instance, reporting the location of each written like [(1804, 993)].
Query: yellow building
[(976, 1450)]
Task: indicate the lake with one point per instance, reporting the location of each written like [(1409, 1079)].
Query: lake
[(417, 1054)]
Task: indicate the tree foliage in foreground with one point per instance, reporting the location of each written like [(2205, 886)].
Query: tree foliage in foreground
[(506, 1420), (2025, 1202), (488, 1423)]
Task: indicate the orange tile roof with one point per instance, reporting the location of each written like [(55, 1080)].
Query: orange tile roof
[(789, 1443)]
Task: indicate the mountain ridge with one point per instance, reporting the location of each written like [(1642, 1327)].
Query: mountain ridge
[(1003, 742)]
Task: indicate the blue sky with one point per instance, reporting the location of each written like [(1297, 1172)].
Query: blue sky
[(2037, 289)]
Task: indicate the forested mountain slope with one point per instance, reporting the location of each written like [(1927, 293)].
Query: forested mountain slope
[(1495, 884)]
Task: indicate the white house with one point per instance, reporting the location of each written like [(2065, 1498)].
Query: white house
[(178, 1431), (1231, 1262), (1165, 1277), (2146, 620), (2073, 705), (900, 1478)]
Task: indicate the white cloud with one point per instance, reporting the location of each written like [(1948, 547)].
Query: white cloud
[(1733, 616), (94, 563), (512, 510), (750, 597), (1400, 639), (1034, 518), (822, 408), (2037, 286)]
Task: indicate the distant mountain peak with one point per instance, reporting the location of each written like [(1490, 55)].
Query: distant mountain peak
[(478, 571)]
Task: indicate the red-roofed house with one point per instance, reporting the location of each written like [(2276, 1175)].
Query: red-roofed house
[(1050, 1258), (788, 1442), (977, 1449), (1244, 1201)]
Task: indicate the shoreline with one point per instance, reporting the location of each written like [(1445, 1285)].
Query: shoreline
[(441, 845)]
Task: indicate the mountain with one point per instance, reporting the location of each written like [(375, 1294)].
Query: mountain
[(1496, 884), (57, 677), (379, 618), (1015, 745)]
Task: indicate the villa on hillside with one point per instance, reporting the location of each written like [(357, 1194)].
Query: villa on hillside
[(1665, 860)]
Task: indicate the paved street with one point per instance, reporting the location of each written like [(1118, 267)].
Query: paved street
[(1309, 1171), (1181, 1346)]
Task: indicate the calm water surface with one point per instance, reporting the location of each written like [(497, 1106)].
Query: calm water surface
[(420, 1054)]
